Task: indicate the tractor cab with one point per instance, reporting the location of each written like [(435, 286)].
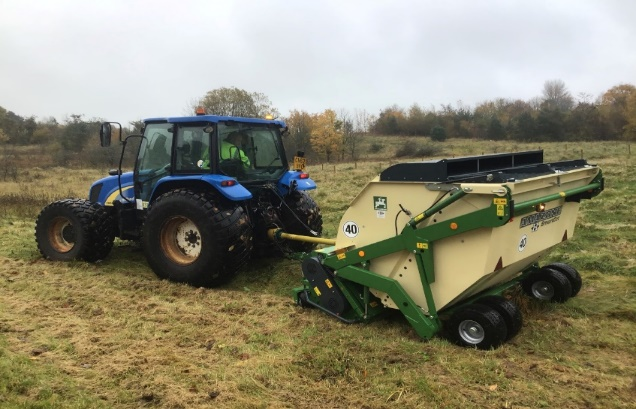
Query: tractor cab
[(248, 150)]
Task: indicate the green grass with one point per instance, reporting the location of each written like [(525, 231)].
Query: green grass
[(111, 334), (26, 382)]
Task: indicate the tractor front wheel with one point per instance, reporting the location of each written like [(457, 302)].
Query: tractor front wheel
[(195, 238), (72, 229)]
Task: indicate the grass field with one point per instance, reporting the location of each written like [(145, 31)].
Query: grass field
[(111, 335)]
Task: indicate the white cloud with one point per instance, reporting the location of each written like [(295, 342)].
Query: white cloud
[(125, 60)]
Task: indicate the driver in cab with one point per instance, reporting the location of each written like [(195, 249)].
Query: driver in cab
[(228, 150), (231, 148)]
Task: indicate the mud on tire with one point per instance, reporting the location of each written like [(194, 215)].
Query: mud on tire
[(196, 238), (72, 229)]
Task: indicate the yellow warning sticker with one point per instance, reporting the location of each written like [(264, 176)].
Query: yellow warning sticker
[(423, 246), (342, 256), (328, 282), (500, 210), (499, 201), (317, 291)]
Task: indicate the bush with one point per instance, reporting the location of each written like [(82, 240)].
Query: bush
[(413, 149), (428, 150), (98, 157), (375, 147), (407, 149), (438, 133)]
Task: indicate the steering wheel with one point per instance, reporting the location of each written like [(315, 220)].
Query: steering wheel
[(232, 167)]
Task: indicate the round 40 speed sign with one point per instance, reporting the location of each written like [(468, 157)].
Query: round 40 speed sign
[(350, 229)]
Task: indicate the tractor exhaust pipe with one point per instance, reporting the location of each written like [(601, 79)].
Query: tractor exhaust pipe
[(277, 234)]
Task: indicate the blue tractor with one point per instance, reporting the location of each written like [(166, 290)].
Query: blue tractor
[(204, 192)]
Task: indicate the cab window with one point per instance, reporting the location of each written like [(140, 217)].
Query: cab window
[(193, 148)]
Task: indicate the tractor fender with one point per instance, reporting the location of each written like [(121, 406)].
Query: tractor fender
[(292, 180), (234, 192), (105, 191)]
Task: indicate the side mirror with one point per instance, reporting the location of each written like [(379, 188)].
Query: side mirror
[(104, 135), (106, 131)]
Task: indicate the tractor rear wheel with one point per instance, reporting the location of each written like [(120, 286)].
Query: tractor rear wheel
[(72, 229), (195, 238), (508, 311), (477, 325), (301, 215), (547, 285)]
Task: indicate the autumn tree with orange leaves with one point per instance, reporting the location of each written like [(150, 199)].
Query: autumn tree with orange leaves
[(326, 134)]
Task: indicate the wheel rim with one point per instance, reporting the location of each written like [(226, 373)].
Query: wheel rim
[(61, 234), (471, 332), (181, 240), (542, 290)]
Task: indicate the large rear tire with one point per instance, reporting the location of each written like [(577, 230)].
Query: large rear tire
[(196, 239), (301, 215), (72, 229)]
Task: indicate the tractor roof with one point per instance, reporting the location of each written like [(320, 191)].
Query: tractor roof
[(214, 119)]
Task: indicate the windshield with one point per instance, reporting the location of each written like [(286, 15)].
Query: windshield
[(153, 161), (250, 151), (155, 147)]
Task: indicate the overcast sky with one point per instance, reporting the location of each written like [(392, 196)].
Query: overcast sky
[(126, 60)]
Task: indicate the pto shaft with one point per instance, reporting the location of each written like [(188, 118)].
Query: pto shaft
[(277, 234)]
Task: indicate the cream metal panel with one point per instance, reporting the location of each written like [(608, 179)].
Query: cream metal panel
[(464, 264)]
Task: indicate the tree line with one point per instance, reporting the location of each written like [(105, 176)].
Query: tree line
[(335, 135), (555, 116)]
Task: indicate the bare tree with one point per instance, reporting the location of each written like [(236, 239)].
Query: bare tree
[(362, 122), (8, 167), (299, 124), (347, 132), (354, 127), (557, 96)]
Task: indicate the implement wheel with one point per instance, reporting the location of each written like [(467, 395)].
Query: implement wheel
[(508, 311), (477, 326), (72, 229), (548, 285), (195, 238), (301, 215), (571, 273)]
